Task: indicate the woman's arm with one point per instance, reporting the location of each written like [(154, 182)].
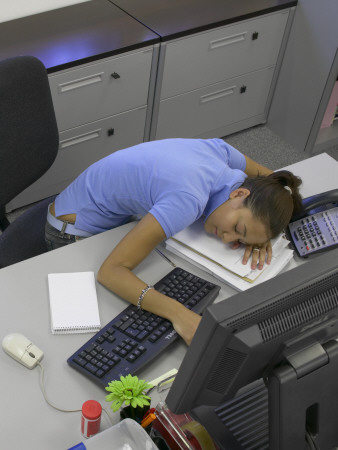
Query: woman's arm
[(116, 274), (253, 169)]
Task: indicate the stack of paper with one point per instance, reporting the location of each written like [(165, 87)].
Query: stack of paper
[(212, 255)]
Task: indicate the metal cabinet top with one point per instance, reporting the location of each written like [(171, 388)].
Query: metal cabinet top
[(74, 35), (85, 32), (175, 18)]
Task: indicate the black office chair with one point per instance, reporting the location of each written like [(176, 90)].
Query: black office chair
[(29, 142)]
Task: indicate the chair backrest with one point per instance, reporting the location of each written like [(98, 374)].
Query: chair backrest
[(25, 237), (29, 137)]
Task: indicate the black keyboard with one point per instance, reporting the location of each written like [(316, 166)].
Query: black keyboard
[(135, 337)]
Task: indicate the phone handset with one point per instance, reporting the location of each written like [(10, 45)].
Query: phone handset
[(310, 203)]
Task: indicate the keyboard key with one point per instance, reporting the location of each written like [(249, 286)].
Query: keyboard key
[(91, 368), (81, 362)]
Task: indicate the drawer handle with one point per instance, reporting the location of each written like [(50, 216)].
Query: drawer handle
[(80, 83), (217, 95), (80, 139), (228, 40), (115, 75)]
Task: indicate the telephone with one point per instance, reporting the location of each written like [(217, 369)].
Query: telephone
[(315, 229)]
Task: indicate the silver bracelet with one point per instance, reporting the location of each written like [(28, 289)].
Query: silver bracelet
[(141, 297)]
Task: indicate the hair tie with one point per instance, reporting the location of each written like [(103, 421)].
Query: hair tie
[(288, 189)]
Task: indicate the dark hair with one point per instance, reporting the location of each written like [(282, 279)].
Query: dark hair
[(274, 199)]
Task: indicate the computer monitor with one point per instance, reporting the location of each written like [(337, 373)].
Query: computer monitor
[(266, 360)]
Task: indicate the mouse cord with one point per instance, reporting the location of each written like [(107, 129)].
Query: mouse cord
[(42, 385)]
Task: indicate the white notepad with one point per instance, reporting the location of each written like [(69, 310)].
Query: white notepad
[(73, 303)]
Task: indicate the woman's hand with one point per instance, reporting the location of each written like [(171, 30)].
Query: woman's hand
[(186, 323), (260, 254)]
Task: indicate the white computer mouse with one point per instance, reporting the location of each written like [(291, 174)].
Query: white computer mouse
[(22, 350)]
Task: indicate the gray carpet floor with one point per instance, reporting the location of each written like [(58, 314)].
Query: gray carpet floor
[(268, 149)]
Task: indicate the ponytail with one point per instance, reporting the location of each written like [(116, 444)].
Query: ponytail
[(274, 199)]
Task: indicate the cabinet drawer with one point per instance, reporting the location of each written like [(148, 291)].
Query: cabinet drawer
[(206, 109), (224, 53), (81, 147), (100, 90)]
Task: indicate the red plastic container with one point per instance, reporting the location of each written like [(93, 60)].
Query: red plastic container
[(91, 418)]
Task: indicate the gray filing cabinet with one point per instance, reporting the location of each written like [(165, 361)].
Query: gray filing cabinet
[(100, 108), (218, 81)]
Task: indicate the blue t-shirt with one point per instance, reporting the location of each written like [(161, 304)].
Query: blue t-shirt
[(176, 180)]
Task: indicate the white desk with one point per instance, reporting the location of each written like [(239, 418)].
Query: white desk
[(26, 419), (21, 8)]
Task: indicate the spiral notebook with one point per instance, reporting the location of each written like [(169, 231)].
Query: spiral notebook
[(73, 303)]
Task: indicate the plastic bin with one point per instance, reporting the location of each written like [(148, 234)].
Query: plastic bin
[(125, 434)]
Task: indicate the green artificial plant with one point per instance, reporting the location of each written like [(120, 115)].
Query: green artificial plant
[(128, 390)]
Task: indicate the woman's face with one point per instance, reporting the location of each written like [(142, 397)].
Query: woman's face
[(232, 221)]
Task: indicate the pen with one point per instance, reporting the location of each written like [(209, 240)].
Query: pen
[(165, 257)]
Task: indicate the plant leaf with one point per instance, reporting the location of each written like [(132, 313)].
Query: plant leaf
[(116, 405)]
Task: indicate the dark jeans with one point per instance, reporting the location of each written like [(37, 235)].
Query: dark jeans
[(56, 239)]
